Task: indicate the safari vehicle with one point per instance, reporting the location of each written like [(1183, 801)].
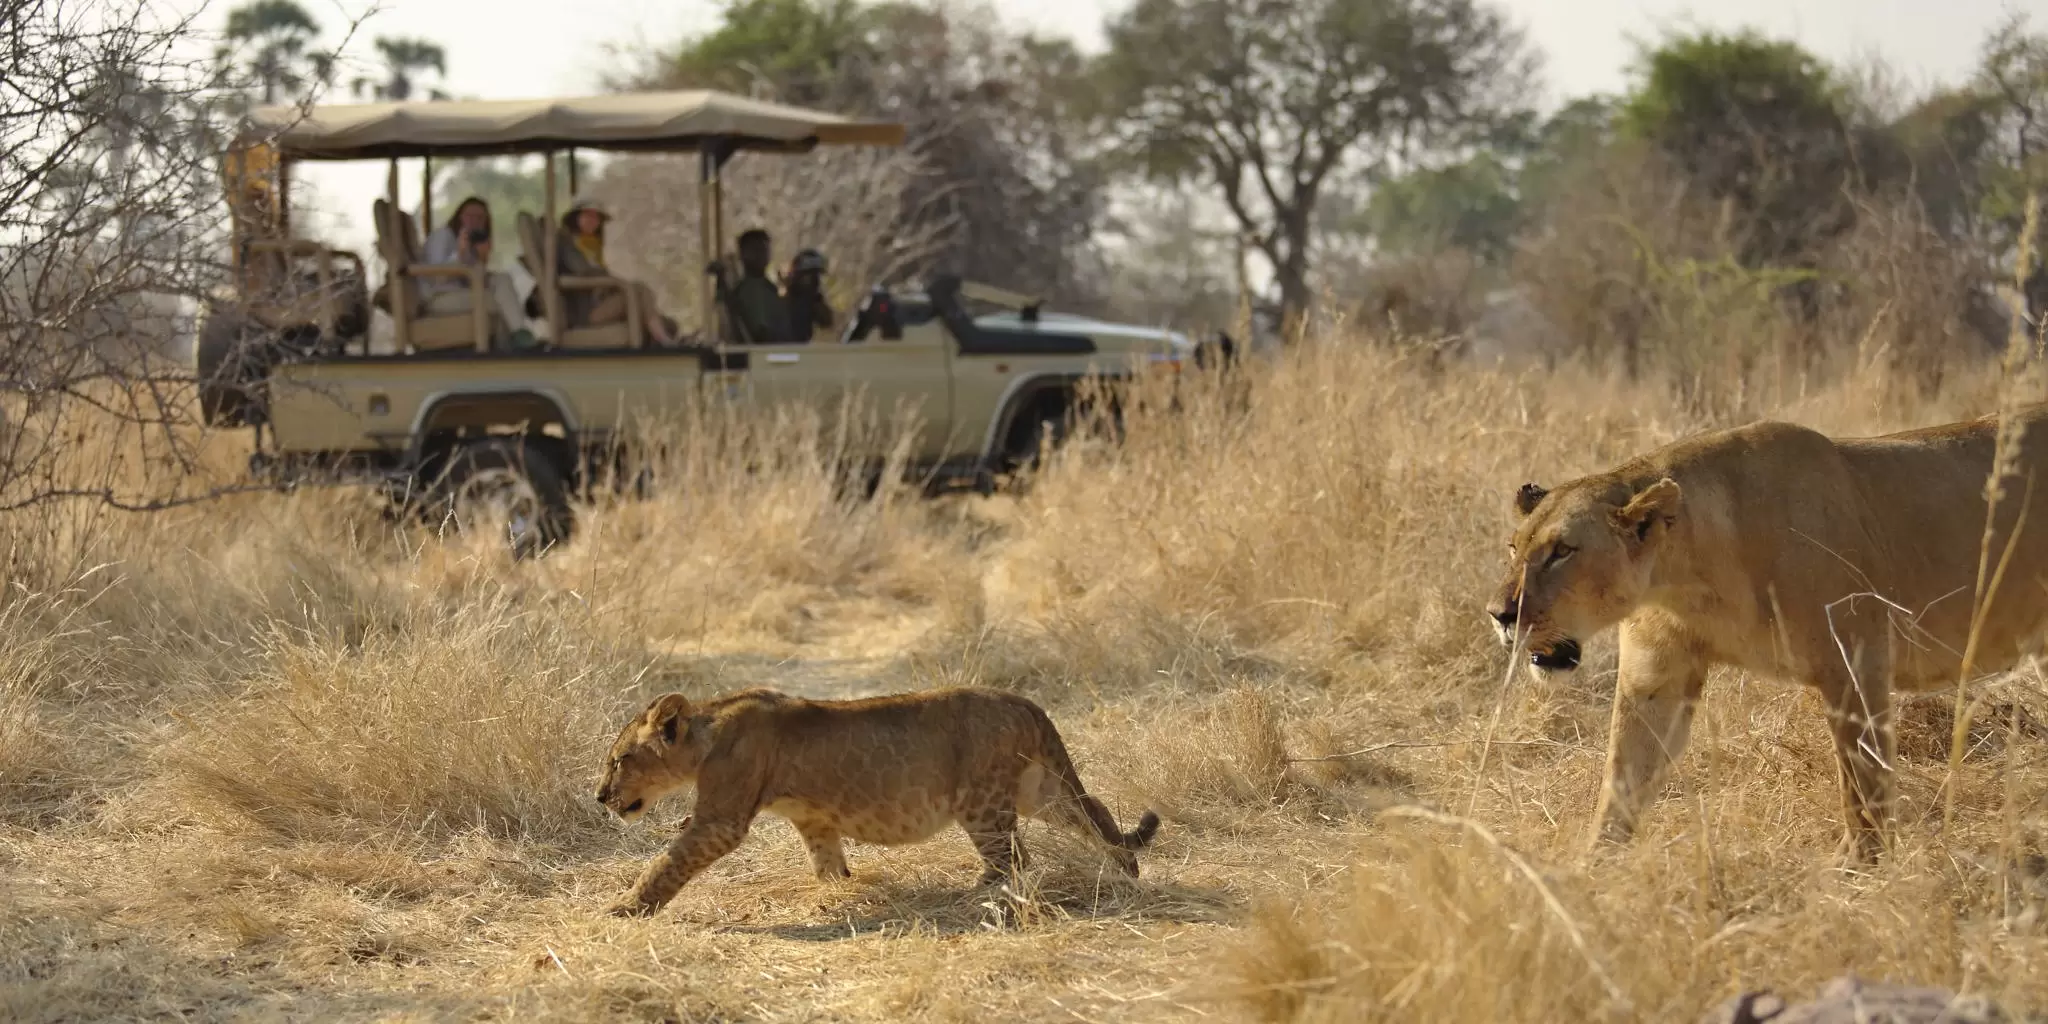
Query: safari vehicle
[(465, 425)]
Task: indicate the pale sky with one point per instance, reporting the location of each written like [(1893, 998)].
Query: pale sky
[(518, 48)]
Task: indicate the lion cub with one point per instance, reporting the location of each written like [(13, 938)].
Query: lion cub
[(887, 770)]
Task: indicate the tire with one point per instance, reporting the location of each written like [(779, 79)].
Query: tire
[(1038, 430), (509, 483)]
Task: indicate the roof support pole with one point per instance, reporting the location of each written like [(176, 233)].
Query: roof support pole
[(394, 272), (708, 230), (426, 193), (551, 236)]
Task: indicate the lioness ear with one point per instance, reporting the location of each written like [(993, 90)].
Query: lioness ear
[(1528, 498), (1657, 503)]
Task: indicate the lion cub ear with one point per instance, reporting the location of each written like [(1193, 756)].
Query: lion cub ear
[(669, 710), (1657, 503), (1528, 497)]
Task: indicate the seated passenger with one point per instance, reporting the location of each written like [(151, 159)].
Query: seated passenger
[(757, 303), (580, 253), (803, 295), (466, 240)]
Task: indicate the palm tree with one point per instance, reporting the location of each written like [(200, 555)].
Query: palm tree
[(404, 59), (274, 34)]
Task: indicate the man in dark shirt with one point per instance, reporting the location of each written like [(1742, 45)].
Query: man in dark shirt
[(756, 300)]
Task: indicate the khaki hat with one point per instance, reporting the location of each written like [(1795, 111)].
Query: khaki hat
[(587, 203)]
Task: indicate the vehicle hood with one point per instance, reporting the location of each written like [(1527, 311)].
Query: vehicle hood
[(1100, 330)]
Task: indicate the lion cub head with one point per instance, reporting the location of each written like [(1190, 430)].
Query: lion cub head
[(1579, 562), (657, 753)]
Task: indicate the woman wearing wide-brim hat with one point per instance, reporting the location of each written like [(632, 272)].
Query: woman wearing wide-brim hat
[(581, 254)]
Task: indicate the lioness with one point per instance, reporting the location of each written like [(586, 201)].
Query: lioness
[(1847, 564), (889, 770)]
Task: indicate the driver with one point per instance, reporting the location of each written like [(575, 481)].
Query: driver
[(759, 305), (804, 295)]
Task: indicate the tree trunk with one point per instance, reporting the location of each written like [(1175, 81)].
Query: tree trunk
[(1291, 272)]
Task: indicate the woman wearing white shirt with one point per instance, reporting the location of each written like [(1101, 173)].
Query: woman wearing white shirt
[(466, 240)]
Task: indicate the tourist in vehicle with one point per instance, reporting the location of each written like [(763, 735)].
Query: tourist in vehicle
[(803, 296), (465, 240), (757, 303), (580, 253)]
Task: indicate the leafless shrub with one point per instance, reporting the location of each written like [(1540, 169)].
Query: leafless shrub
[(847, 203), (111, 240)]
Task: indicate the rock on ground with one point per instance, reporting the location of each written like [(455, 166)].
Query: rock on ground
[(1850, 1000)]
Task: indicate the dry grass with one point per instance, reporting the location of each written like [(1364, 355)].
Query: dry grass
[(278, 758)]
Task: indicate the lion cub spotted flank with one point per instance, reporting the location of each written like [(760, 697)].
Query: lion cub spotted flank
[(887, 770)]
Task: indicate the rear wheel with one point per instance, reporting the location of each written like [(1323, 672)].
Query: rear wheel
[(508, 486)]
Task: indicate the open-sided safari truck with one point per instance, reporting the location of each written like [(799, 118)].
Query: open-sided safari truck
[(452, 416)]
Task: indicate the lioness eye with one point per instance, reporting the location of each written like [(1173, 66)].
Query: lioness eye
[(1558, 554)]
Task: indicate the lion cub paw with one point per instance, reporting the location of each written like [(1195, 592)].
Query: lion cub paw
[(630, 908)]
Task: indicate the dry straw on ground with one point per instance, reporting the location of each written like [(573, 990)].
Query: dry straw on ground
[(276, 758)]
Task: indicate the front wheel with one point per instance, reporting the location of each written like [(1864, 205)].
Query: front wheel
[(504, 485)]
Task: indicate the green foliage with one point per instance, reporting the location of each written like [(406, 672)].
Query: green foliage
[(1756, 123), (1471, 205), (1744, 83), (796, 49)]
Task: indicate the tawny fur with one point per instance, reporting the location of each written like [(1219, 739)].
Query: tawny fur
[(887, 770), (1743, 547)]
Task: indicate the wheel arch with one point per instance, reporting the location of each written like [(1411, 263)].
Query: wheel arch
[(450, 412), (1027, 392)]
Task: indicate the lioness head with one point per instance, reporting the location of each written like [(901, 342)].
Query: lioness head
[(1579, 562), (657, 753)]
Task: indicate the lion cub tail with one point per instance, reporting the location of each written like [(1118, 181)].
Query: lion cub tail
[(1062, 766)]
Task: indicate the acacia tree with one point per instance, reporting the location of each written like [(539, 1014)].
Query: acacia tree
[(1272, 101)]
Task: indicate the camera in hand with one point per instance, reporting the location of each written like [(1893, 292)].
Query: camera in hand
[(478, 236)]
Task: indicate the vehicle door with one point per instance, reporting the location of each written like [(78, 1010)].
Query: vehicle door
[(899, 384)]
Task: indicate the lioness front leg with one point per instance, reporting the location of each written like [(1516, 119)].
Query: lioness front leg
[(1658, 688), (696, 848)]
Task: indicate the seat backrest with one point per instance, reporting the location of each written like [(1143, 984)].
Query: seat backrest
[(530, 245), (393, 228)]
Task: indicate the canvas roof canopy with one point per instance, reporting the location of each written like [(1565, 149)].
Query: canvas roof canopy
[(633, 121)]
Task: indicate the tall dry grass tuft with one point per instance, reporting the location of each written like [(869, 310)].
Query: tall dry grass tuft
[(1295, 523), (2021, 386), (756, 518), (495, 725)]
